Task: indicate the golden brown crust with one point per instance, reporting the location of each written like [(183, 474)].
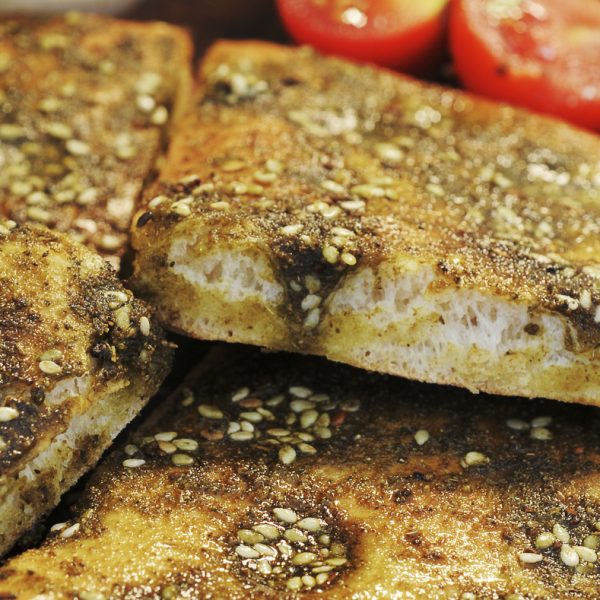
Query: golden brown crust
[(411, 520), (86, 101), (326, 169), (69, 333)]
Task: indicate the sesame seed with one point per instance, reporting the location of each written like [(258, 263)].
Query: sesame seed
[(585, 299), (321, 578), (336, 562), (265, 178), (368, 191), (310, 524), (130, 449), (181, 209), (541, 421), (49, 367), (348, 259), (331, 254), (472, 459), (58, 527), (530, 557), (422, 437), (541, 433), (70, 531), (561, 533), (308, 418), (309, 581), (299, 406), (156, 201), (231, 166), (246, 551), (160, 116), (295, 535), (145, 326), (60, 131), (122, 318), (294, 584), (250, 537), (265, 550), (242, 436), (209, 411), (91, 595), (303, 558), (300, 391), (145, 103), (586, 554), (597, 314), (246, 426), (333, 187), (167, 447), (233, 427), (186, 444), (285, 514), (544, 540), (8, 413), (352, 205), (240, 394), (133, 463), (292, 229), (592, 541), (307, 448), (267, 530), (569, 556), (77, 147), (517, 424), (181, 460), (287, 455), (389, 153)]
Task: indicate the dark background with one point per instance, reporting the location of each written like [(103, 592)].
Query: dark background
[(210, 20)]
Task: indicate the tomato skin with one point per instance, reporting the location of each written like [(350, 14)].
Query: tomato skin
[(414, 46), (520, 77)]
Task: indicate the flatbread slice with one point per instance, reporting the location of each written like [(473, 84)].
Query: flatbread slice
[(283, 476), (318, 206), (86, 104), (79, 358)]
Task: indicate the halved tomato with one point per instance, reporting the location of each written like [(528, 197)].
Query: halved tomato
[(402, 34), (542, 54)]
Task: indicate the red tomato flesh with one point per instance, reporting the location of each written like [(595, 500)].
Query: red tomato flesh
[(401, 34), (541, 54)]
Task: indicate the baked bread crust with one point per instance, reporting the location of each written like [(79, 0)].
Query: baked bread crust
[(446, 512), (79, 357), (313, 205), (86, 105)]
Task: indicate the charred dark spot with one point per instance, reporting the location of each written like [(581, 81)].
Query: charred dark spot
[(532, 328), (147, 216)]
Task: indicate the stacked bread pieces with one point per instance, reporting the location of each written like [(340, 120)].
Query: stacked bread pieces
[(86, 102), (313, 205)]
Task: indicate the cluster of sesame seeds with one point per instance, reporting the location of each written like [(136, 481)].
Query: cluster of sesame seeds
[(287, 551), (168, 443), (311, 299), (537, 427), (236, 84), (291, 422), (559, 542), (64, 531)]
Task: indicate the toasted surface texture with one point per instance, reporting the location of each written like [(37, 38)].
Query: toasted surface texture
[(313, 205), (79, 357), (195, 511), (86, 101)]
